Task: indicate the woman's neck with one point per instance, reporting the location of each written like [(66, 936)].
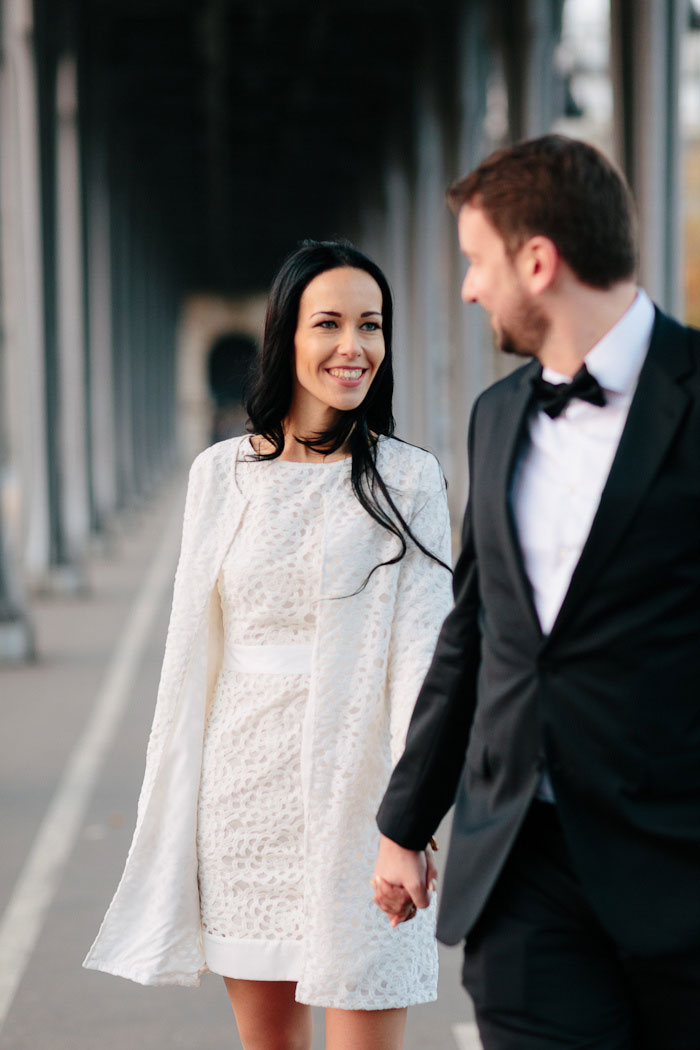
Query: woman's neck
[(294, 450)]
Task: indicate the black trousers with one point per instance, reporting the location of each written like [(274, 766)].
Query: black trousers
[(544, 974)]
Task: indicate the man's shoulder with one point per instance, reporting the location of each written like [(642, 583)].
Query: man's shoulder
[(667, 325), (693, 335), (494, 395), (674, 345)]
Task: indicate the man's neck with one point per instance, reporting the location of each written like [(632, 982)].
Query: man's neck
[(579, 319)]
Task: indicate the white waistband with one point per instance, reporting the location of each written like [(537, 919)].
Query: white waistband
[(269, 659)]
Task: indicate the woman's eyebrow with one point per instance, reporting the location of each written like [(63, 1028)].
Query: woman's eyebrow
[(334, 313)]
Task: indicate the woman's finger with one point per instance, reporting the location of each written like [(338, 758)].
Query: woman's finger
[(406, 915), (392, 900)]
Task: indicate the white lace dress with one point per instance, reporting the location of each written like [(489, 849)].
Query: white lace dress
[(370, 655), (251, 815)]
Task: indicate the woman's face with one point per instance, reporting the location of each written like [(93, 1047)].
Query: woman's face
[(338, 343)]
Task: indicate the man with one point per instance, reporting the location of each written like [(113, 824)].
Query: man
[(569, 669)]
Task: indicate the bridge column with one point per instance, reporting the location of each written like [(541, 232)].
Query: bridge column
[(24, 511), (103, 488), (645, 59), (529, 32), (73, 434), (398, 260), (473, 355)]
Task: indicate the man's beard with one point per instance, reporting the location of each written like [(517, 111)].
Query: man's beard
[(526, 331)]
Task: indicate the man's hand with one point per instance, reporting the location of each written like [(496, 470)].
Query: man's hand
[(402, 880)]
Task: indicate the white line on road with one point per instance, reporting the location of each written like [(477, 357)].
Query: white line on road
[(39, 879), (467, 1036)]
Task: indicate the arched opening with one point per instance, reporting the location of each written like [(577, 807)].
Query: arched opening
[(228, 366)]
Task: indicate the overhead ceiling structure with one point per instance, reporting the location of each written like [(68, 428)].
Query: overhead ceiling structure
[(248, 125)]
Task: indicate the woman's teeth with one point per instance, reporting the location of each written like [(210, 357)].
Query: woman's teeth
[(346, 373)]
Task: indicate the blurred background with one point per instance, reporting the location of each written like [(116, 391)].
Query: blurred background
[(158, 158)]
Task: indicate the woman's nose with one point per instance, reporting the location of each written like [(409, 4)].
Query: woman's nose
[(350, 343)]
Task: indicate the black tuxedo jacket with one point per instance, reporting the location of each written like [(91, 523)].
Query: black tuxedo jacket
[(609, 700)]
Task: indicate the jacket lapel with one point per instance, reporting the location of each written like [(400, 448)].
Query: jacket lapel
[(507, 437), (658, 407)]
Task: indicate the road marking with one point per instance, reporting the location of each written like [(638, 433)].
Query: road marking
[(37, 883), (467, 1036)]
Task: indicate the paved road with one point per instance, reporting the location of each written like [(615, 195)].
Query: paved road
[(72, 736)]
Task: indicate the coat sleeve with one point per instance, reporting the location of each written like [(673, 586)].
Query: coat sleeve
[(422, 601), (174, 647), (150, 933), (424, 782)]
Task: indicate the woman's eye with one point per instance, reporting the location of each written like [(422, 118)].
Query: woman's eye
[(371, 326), (327, 324)]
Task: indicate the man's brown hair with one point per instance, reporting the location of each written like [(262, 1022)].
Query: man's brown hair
[(565, 190)]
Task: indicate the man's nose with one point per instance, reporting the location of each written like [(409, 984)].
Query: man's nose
[(467, 292)]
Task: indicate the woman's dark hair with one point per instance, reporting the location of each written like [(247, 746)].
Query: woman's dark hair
[(272, 384)]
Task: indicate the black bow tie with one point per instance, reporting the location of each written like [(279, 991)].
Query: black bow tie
[(553, 398)]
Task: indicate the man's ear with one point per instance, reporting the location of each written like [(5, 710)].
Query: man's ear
[(537, 263)]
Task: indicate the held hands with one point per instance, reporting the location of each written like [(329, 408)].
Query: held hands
[(403, 880)]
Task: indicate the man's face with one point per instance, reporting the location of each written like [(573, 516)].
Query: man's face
[(493, 279)]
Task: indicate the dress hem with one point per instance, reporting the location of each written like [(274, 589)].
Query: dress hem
[(389, 1002), (253, 960)]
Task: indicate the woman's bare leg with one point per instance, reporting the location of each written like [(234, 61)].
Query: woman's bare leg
[(368, 1029), (268, 1016)]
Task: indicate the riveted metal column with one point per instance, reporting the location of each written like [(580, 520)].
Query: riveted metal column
[(23, 299), (399, 254), (645, 49), (135, 344), (72, 431), (23, 496), (473, 352), (98, 278), (433, 233), (529, 32), (16, 634), (123, 406)]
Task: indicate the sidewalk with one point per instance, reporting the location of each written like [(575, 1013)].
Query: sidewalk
[(67, 749)]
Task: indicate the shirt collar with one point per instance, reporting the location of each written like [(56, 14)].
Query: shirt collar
[(616, 360)]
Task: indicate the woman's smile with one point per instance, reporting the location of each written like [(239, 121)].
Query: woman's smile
[(347, 376)]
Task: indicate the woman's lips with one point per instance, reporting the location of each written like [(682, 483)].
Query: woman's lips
[(347, 376)]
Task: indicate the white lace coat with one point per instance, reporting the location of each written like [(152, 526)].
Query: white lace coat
[(370, 654)]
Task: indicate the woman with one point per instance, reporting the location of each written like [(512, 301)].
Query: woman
[(311, 585)]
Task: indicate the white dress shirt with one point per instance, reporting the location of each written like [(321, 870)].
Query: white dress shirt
[(561, 473)]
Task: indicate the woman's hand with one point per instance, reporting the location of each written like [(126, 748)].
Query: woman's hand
[(403, 880)]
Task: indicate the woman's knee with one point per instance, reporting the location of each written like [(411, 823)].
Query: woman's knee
[(369, 1029), (268, 1016)]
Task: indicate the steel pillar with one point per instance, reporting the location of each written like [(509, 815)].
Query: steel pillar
[(645, 61), (72, 421)]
